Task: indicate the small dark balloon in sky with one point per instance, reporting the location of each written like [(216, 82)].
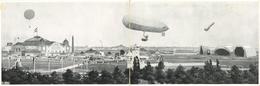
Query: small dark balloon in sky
[(29, 14)]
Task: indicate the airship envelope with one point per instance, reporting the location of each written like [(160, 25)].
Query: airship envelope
[(146, 25)]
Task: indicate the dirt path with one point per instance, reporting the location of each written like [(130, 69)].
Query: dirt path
[(65, 68)]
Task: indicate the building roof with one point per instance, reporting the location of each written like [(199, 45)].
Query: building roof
[(36, 41), (91, 51), (35, 38), (18, 43), (119, 47)]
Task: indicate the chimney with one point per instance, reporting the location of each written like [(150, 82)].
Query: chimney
[(72, 45)]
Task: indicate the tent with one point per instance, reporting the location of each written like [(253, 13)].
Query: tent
[(239, 51), (245, 51), (224, 51)]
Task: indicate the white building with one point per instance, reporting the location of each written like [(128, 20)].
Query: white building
[(135, 52), (38, 46)]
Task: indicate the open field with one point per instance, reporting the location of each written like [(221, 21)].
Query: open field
[(42, 64), (191, 60), (99, 67), (224, 60)]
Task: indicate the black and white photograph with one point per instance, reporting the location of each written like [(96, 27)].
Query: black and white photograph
[(129, 42)]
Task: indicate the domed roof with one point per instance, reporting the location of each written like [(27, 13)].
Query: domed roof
[(66, 42), (37, 40)]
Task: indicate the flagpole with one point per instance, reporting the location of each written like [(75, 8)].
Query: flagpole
[(49, 65), (36, 31), (9, 62), (61, 63), (33, 64), (73, 62)]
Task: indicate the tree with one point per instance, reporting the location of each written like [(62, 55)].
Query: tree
[(208, 72), (193, 74), (218, 64), (82, 52), (18, 77), (219, 76), (118, 76), (253, 74), (148, 73), (159, 73), (181, 76), (117, 54), (235, 74), (67, 76), (253, 69), (109, 53), (44, 79), (135, 75), (91, 77), (201, 50), (127, 74), (170, 76), (54, 79), (245, 76), (5, 76), (77, 78), (35, 79), (106, 78), (91, 49), (122, 52)]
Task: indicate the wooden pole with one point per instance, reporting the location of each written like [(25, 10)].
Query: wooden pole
[(33, 64), (62, 63), (9, 62), (49, 65), (73, 63)]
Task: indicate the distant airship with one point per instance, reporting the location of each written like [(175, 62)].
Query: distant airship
[(206, 29), (144, 25)]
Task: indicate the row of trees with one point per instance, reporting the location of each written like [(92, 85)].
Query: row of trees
[(209, 74)]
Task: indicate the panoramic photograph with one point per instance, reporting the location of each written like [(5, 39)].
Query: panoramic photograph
[(129, 42)]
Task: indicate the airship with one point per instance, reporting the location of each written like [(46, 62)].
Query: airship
[(144, 25), (206, 29)]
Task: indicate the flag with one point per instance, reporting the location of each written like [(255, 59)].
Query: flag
[(36, 30)]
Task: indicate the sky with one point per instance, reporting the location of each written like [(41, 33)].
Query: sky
[(100, 23)]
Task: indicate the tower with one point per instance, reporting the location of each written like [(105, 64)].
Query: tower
[(72, 45), (66, 44)]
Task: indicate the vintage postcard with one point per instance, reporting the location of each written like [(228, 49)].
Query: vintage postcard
[(129, 42)]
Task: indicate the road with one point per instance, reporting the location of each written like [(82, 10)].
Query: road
[(68, 67)]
